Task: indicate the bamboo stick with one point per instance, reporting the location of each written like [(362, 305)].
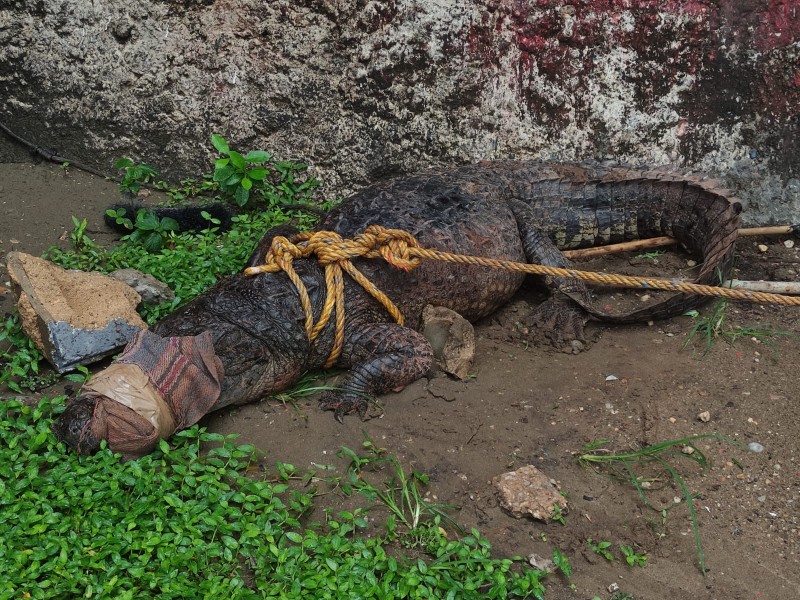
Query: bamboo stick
[(657, 242), (776, 230)]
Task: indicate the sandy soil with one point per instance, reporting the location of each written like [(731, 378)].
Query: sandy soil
[(531, 405)]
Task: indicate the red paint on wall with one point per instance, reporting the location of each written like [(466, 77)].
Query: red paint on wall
[(779, 25), (562, 41)]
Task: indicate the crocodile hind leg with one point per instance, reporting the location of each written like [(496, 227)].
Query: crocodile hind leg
[(382, 357), (560, 319)]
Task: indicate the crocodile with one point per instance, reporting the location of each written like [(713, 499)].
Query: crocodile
[(517, 210)]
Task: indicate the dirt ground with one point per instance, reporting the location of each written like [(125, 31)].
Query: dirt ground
[(530, 405)]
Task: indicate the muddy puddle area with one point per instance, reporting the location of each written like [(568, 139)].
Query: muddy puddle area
[(524, 404)]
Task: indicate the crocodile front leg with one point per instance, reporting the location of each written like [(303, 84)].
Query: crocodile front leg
[(382, 357)]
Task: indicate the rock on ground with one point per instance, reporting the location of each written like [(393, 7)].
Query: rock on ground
[(73, 317), (452, 338), (152, 291), (528, 492)]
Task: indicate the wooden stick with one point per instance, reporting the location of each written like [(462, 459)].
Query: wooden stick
[(772, 287), (777, 230), (659, 242), (621, 247)]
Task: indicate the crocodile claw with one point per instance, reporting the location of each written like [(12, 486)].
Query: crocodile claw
[(344, 403), (561, 325)]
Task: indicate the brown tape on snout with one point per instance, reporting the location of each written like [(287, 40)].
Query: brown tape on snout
[(129, 385)]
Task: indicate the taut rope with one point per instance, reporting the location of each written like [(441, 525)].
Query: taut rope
[(400, 249)]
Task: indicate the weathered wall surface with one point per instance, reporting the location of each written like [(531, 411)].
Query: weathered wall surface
[(365, 89)]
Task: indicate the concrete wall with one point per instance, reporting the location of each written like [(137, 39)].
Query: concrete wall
[(366, 89)]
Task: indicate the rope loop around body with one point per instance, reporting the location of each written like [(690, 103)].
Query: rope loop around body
[(335, 254), (401, 249)]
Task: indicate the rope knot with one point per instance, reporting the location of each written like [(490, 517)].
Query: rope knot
[(281, 252), (393, 245), (328, 247), (335, 253)]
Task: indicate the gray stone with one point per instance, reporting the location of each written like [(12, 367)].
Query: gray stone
[(73, 317), (540, 563), (452, 338), (363, 90), (528, 492), (152, 291)]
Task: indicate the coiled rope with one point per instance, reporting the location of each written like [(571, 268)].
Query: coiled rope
[(401, 250)]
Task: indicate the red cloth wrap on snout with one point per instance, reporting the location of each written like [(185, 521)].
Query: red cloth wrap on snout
[(185, 373)]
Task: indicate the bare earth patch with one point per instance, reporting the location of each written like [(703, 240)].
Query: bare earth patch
[(525, 404)]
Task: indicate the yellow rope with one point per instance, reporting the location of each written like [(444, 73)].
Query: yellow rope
[(400, 249), (334, 253)]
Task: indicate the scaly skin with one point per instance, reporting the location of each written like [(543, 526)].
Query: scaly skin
[(523, 211)]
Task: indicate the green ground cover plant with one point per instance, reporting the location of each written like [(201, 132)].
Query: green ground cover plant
[(255, 179), (651, 469), (715, 325), (633, 558), (400, 491), (188, 522), (601, 548), (256, 176)]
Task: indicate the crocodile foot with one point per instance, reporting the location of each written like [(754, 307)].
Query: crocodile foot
[(560, 324), (344, 403)]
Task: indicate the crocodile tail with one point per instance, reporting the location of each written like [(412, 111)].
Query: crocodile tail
[(600, 204), (189, 218), (701, 215)]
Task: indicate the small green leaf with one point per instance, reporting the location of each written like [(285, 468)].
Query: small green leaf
[(237, 160), (257, 173), (169, 224), (219, 143), (294, 537), (257, 156), (146, 219), (223, 173), (152, 242), (241, 196)]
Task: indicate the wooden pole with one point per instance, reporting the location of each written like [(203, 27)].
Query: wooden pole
[(658, 242), (777, 230)]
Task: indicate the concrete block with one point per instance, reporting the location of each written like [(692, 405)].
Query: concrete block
[(73, 317)]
